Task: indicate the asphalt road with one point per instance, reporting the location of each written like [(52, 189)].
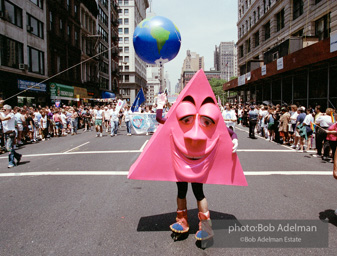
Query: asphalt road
[(59, 201)]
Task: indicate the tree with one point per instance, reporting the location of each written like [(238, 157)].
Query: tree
[(217, 87)]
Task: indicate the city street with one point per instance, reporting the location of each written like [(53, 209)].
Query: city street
[(70, 196)]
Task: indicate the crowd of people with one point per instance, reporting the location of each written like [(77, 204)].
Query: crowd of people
[(36, 123), (300, 128)]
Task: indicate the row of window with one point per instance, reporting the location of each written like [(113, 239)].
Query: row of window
[(120, 2), (322, 31), (126, 11), (103, 17), (126, 21), (61, 28), (126, 40), (13, 14), (126, 31), (11, 55)]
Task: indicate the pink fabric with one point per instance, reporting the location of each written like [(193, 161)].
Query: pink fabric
[(332, 137), (189, 146)]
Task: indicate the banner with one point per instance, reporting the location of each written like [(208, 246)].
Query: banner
[(144, 122), (120, 104)]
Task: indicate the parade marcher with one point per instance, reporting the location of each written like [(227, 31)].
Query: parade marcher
[(114, 121), (127, 120), (98, 114), (252, 116), (106, 117), (229, 116), (185, 149), (8, 122)]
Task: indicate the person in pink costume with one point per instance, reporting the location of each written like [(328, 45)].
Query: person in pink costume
[(195, 146)]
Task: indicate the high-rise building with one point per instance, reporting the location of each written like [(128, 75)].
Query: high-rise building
[(225, 60), (286, 52), (132, 68), (107, 29), (23, 52), (193, 62)]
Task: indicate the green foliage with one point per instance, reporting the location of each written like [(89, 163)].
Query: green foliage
[(217, 87)]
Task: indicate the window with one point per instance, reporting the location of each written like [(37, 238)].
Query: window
[(61, 27), (322, 27), (257, 38), (34, 26), (126, 49), (103, 33), (126, 21), (120, 31), (120, 39), (120, 21), (126, 11), (76, 38), (51, 25), (280, 20), (120, 2), (317, 1), (120, 11), (11, 52), (248, 45), (126, 2), (267, 30), (126, 59), (68, 31), (39, 3), (126, 31), (127, 78), (126, 40), (68, 5), (250, 22), (35, 61), (127, 68), (103, 17), (75, 9), (297, 8), (254, 17), (120, 49), (12, 13), (258, 12), (241, 51)]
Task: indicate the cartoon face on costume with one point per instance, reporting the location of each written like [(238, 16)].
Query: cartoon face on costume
[(194, 138)]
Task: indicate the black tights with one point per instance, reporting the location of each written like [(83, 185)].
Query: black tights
[(196, 187)]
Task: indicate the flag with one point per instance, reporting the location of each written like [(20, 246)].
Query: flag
[(312, 126), (333, 117), (140, 98)]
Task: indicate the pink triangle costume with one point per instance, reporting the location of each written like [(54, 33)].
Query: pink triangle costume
[(194, 145)]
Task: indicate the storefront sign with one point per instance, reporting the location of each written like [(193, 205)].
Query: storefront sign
[(280, 63), (80, 92), (242, 80), (31, 86), (60, 91), (263, 70)]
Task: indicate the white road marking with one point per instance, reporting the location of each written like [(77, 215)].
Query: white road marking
[(77, 147), (124, 173), (78, 153), (142, 148)]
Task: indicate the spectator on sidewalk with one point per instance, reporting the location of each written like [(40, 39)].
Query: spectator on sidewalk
[(253, 117), (8, 122)]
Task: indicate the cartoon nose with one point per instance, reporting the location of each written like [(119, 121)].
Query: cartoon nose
[(196, 134)]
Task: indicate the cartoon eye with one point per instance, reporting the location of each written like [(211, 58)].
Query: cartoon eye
[(187, 119), (206, 121)]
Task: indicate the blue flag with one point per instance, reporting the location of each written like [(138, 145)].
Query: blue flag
[(140, 98)]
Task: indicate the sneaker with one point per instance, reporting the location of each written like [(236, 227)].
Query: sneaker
[(111, 135), (97, 135), (147, 133), (101, 135), (115, 134), (43, 139), (331, 161), (293, 146), (10, 166), (315, 155)]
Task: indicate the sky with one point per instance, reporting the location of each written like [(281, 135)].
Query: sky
[(202, 25)]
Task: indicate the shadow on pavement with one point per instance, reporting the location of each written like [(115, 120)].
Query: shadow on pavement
[(329, 216), (162, 222)]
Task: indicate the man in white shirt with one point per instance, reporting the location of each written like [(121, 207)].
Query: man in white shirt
[(8, 123), (127, 113), (229, 116), (114, 121)]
